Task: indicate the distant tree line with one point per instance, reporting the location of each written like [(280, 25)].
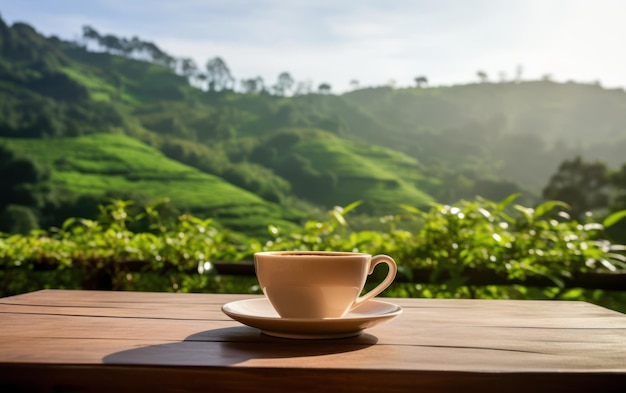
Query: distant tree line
[(215, 76)]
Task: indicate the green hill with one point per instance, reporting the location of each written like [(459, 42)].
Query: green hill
[(325, 168), (377, 175), (482, 123), (261, 156), (95, 164)]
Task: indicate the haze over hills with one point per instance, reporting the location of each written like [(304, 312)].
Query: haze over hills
[(276, 154)]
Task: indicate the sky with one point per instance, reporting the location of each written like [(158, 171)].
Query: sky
[(375, 42)]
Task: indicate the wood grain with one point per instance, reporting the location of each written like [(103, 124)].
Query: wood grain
[(95, 341)]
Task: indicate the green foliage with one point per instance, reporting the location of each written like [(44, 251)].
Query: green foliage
[(325, 169), (107, 246), (96, 164), (26, 190), (18, 219), (175, 254), (515, 241), (584, 186), (614, 218)]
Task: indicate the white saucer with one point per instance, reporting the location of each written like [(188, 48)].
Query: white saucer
[(260, 314)]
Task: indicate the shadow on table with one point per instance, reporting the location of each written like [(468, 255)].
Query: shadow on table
[(235, 345)]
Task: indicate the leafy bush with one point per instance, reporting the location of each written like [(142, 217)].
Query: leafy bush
[(510, 240), (513, 241)]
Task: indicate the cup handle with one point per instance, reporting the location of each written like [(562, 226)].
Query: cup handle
[(393, 269)]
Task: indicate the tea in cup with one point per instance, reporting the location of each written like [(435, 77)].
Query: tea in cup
[(318, 284)]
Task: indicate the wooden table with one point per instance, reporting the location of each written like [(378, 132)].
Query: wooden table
[(75, 341)]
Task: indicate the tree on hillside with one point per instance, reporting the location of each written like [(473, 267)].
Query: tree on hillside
[(249, 86), (421, 81), (187, 67), (158, 56), (582, 185), (112, 44), (134, 45), (109, 42), (260, 83), (129, 48), (90, 34), (482, 76), (218, 75), (284, 84), (354, 84), (324, 88), (253, 85)]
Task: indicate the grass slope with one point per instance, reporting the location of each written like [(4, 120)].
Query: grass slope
[(98, 163), (380, 177)]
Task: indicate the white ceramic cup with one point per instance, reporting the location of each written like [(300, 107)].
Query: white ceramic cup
[(318, 284)]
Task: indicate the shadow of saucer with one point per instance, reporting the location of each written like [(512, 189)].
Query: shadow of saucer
[(235, 345)]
